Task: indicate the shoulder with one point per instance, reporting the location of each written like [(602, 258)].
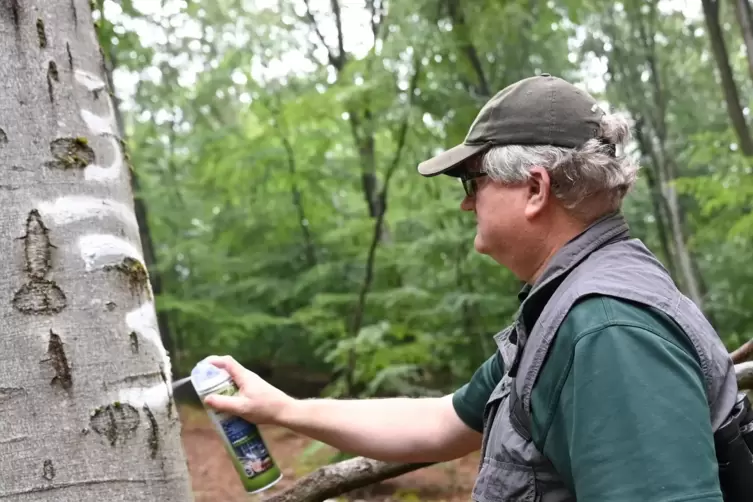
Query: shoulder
[(613, 368), (598, 313), (615, 339)]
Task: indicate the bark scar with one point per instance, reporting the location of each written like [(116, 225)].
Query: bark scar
[(59, 362), (38, 295), (71, 153), (70, 55), (48, 470), (153, 432), (41, 34), (115, 421), (52, 75), (15, 12)]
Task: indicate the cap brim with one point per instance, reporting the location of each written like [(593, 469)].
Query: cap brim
[(449, 159)]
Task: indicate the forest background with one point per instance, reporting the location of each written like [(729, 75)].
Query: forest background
[(274, 147)]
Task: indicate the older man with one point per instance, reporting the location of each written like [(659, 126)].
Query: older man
[(609, 384)]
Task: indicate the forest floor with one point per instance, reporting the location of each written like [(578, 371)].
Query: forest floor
[(215, 480)]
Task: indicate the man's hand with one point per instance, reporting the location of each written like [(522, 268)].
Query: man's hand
[(258, 401), (390, 429)]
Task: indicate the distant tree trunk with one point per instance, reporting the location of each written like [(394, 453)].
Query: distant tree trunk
[(745, 20), (731, 95), (84, 385), (652, 134)]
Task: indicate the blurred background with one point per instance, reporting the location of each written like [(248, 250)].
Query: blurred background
[(275, 143)]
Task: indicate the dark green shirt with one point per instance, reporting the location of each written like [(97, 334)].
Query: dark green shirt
[(619, 407)]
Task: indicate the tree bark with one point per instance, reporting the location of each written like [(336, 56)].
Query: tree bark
[(142, 218), (86, 407)]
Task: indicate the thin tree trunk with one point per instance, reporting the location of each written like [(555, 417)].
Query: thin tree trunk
[(360, 309), (662, 160), (658, 205), (745, 20), (84, 378), (731, 95)]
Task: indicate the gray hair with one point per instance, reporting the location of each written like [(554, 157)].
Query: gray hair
[(588, 180)]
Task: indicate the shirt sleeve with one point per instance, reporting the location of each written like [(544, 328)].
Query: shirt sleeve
[(631, 420), (470, 399)]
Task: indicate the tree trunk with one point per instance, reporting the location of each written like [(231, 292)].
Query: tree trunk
[(745, 20), (731, 96), (87, 413)]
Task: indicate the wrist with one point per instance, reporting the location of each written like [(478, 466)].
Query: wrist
[(287, 412)]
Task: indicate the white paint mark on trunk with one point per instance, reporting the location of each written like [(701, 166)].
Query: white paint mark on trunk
[(156, 396), (143, 321), (97, 124), (102, 126), (70, 209), (98, 250), (90, 81)]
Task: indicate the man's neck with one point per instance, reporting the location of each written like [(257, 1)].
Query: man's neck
[(566, 231)]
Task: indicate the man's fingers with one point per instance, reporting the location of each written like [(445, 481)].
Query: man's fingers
[(229, 364), (227, 404)]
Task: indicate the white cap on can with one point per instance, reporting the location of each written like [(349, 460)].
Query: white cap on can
[(206, 376)]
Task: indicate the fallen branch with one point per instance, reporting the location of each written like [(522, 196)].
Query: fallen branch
[(744, 372), (742, 353), (335, 479)]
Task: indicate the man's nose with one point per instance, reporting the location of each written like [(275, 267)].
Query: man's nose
[(468, 203)]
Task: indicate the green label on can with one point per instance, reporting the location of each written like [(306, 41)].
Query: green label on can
[(250, 456)]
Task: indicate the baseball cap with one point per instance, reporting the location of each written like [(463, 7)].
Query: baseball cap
[(540, 110)]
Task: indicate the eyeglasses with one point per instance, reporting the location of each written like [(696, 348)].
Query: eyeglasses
[(470, 183)]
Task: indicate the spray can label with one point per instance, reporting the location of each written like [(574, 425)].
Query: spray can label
[(247, 449)]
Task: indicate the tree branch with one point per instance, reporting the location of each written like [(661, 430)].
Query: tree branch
[(339, 24), (743, 353), (744, 372), (458, 18), (336, 61), (335, 479)]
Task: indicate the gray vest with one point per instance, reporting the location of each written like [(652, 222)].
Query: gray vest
[(601, 260)]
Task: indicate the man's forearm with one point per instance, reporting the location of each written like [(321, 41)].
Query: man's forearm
[(391, 429)]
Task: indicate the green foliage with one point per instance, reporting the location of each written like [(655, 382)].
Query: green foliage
[(256, 154)]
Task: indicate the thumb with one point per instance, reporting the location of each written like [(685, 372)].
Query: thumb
[(227, 404)]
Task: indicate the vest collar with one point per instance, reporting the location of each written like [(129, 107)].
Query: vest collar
[(604, 231), (533, 297)]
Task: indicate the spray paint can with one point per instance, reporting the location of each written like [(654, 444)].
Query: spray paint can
[(251, 458)]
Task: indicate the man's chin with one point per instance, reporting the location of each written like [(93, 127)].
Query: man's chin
[(480, 246)]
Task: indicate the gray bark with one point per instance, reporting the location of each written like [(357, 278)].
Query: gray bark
[(85, 407)]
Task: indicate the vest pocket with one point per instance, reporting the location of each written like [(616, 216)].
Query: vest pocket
[(504, 482)]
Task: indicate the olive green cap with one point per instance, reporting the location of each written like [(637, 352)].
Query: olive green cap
[(540, 110)]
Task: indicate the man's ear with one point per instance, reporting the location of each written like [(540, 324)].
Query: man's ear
[(539, 184)]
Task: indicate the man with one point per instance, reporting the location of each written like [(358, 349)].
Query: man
[(609, 384)]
